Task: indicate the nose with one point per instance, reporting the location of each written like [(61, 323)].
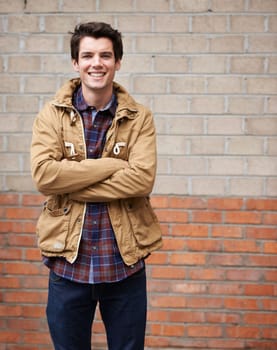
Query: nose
[(96, 61)]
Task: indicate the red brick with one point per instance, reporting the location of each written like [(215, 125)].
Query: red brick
[(227, 231), (32, 200), (244, 275), (189, 230), (173, 244), (157, 342), (33, 254), (261, 233), (204, 302), (207, 217), (270, 304), (206, 274), (254, 289), (241, 246), (98, 327), (16, 323), (156, 329), (220, 344), (225, 203), (34, 282), (204, 245), (165, 229), (22, 240), (188, 259), (22, 268), (261, 318), (189, 288), (24, 227), (226, 260), (10, 310), (241, 303), (270, 219), (33, 311), (222, 317), (11, 254), (2, 213), (225, 289), (164, 301), (159, 202), (9, 282), (36, 338), (270, 276), (187, 202), (166, 272), (25, 297), (261, 204), (261, 260), (269, 333), (174, 330), (9, 336), (172, 215), (158, 315), (237, 217), (187, 316), (9, 199), (157, 258), (270, 247), (22, 213), (260, 344), (159, 286), (217, 269), (204, 331), (243, 332), (6, 226)]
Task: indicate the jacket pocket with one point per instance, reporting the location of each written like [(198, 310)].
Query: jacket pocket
[(143, 220), (53, 225)]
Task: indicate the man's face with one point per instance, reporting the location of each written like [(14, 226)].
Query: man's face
[(96, 64)]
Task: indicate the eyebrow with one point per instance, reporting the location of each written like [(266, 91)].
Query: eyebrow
[(91, 52)]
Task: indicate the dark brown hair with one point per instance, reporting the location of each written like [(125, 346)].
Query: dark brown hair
[(96, 30)]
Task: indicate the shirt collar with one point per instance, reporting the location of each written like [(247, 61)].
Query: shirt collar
[(81, 105)]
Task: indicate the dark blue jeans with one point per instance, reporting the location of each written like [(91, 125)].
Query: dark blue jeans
[(71, 308)]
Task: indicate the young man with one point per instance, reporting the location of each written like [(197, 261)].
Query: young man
[(93, 155)]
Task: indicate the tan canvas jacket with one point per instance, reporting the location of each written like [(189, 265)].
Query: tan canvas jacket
[(62, 172)]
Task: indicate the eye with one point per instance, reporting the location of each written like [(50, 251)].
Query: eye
[(106, 55)]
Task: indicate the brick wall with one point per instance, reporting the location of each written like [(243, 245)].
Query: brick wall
[(207, 69)]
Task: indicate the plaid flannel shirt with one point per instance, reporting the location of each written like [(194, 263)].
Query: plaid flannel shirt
[(99, 259)]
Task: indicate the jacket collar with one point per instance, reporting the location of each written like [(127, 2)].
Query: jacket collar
[(126, 104)]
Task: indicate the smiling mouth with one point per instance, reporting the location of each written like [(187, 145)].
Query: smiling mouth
[(96, 75)]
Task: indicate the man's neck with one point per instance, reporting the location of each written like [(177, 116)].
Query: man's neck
[(97, 99)]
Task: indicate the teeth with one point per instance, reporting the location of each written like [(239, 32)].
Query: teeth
[(97, 75)]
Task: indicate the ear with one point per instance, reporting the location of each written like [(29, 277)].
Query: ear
[(118, 65), (75, 65)]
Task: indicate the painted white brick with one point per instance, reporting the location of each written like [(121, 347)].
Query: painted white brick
[(176, 185), (171, 144), (245, 145), (246, 186), (226, 166), (206, 68), (208, 186)]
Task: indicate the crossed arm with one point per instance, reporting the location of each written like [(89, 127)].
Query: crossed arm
[(92, 180)]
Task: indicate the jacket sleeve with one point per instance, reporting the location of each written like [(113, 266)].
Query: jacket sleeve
[(51, 172), (137, 180)]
